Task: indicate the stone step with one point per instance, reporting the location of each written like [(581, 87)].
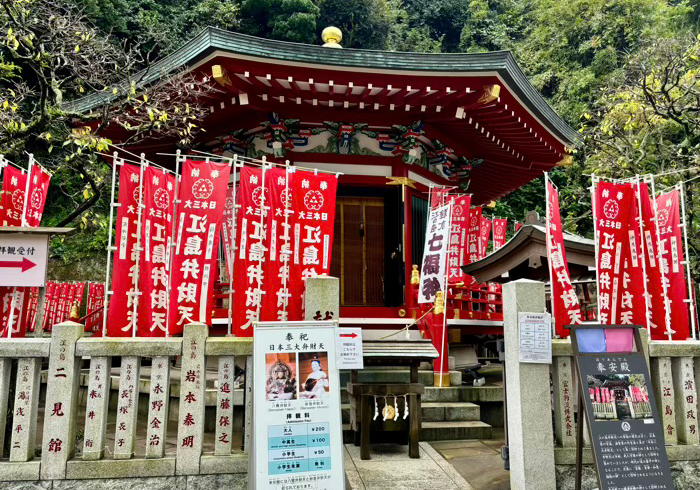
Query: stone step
[(450, 431), (442, 431), (397, 375), (436, 412), (474, 394)]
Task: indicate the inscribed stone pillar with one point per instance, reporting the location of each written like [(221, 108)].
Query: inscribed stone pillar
[(127, 407), (686, 404), (60, 415), (564, 398), (26, 409), (662, 378), (224, 406), (96, 408), (322, 298), (193, 381), (248, 414), (5, 369), (530, 435), (158, 407)]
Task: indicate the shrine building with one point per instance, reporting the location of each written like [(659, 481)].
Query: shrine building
[(393, 124)]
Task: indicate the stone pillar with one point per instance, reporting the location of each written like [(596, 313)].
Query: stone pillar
[(97, 407), (60, 415), (158, 407), (127, 407), (193, 382), (26, 409), (224, 406), (530, 435), (5, 369), (322, 298), (662, 378), (686, 404), (564, 400), (248, 396)]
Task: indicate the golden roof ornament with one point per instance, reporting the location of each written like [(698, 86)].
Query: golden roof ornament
[(331, 37), (415, 275), (74, 314), (439, 303)]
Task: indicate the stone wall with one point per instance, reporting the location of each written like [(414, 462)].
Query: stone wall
[(197, 482)]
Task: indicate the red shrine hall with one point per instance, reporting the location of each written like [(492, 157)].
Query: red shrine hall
[(394, 127)]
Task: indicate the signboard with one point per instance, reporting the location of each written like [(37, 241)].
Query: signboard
[(535, 337), (23, 259), (298, 438), (623, 419), (437, 242), (349, 348)]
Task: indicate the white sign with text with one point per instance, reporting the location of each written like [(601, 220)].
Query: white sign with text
[(298, 435), (535, 337), (349, 348), (23, 259)]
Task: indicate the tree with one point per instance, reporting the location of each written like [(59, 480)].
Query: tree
[(286, 20), (50, 54), (365, 23)]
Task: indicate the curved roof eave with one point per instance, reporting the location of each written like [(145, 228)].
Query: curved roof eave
[(212, 39)]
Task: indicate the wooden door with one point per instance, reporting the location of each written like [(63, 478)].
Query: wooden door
[(358, 250)]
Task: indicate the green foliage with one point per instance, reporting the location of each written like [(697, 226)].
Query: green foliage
[(365, 23), (286, 20)]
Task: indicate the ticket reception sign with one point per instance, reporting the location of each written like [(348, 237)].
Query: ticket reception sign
[(297, 427)]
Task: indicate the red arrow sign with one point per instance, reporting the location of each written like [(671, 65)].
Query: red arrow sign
[(351, 335), (25, 264)]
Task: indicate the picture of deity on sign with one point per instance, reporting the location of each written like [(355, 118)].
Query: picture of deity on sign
[(313, 368), (281, 381)]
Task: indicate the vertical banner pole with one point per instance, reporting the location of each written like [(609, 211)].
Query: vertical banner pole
[(640, 222), (444, 313), (26, 189), (547, 222), (286, 204), (110, 245), (173, 240), (232, 248), (691, 297), (594, 181), (262, 208), (659, 246), (139, 247)]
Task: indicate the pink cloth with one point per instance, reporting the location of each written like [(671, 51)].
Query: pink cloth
[(619, 339)]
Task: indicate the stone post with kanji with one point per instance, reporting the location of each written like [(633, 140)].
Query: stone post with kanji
[(61, 413)]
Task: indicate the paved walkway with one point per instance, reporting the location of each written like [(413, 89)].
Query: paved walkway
[(391, 469), (479, 462)]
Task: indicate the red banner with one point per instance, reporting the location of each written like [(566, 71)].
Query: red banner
[(457, 253), (38, 190), (156, 233), (13, 313), (49, 306), (484, 234), (95, 301), (227, 227), (202, 195), (672, 261), (518, 226), (251, 238), (14, 183), (565, 305), (657, 313), (437, 197), (124, 286), (473, 237), (614, 207), (500, 227), (280, 222), (312, 235)]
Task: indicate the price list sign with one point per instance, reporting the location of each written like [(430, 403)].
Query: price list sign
[(616, 390), (296, 400)]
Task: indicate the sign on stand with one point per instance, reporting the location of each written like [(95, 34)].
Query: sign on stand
[(349, 348), (535, 337), (23, 259), (623, 420), (298, 439)]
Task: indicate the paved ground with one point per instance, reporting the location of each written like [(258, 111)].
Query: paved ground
[(391, 469), (479, 462)]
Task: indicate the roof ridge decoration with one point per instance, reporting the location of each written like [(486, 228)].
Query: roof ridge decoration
[(211, 40)]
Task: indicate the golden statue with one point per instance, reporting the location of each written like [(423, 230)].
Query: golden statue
[(415, 275)]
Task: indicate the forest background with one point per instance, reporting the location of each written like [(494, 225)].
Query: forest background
[(625, 73)]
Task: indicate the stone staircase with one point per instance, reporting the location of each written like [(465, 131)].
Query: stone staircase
[(451, 413)]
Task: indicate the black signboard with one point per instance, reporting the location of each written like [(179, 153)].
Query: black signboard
[(615, 389)]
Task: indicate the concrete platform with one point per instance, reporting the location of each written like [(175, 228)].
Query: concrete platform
[(391, 469)]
